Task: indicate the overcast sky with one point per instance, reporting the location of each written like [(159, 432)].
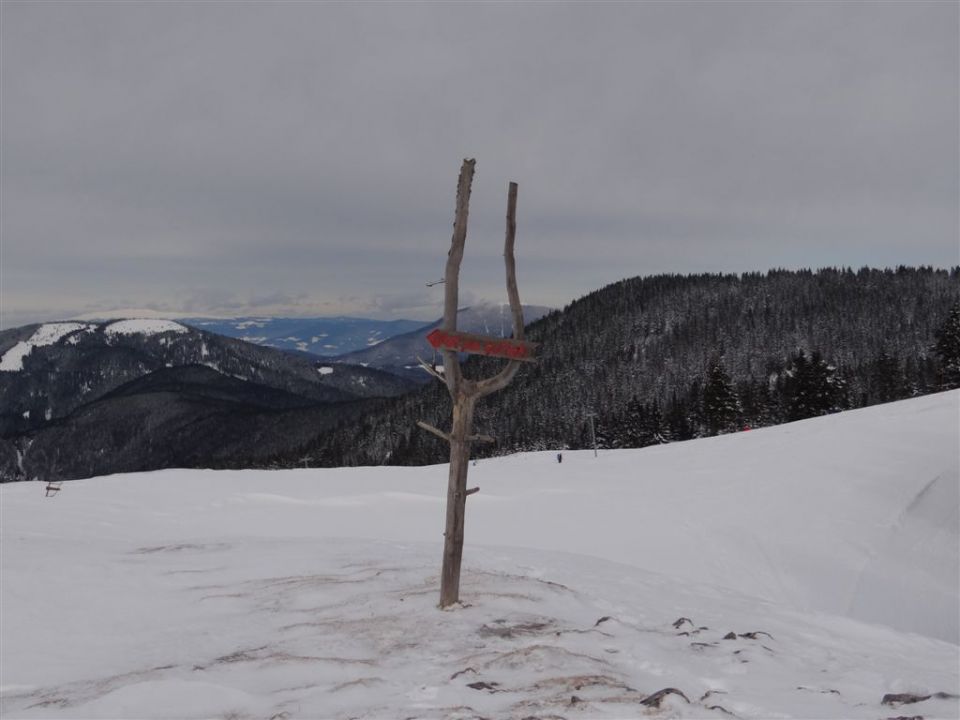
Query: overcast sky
[(301, 158)]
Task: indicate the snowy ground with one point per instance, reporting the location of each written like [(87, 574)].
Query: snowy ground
[(828, 548)]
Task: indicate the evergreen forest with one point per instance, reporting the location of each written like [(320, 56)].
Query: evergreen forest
[(665, 358)]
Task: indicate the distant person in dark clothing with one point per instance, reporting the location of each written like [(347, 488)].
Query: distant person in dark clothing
[(559, 457)]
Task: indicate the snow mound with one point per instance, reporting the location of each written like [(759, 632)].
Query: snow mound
[(48, 334), (325, 370), (144, 326)]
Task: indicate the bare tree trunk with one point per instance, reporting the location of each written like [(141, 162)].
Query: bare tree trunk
[(456, 499)]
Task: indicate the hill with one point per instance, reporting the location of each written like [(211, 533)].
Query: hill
[(807, 570), (80, 399), (657, 359)]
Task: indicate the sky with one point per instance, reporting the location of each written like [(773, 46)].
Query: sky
[(298, 158)]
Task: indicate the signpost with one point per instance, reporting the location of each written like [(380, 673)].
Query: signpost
[(482, 344)]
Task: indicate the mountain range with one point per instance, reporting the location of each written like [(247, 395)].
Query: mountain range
[(393, 345), (643, 361), (83, 398)]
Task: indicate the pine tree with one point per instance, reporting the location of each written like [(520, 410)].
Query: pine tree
[(721, 406), (812, 387), (948, 349), (887, 379), (677, 421), (654, 430), (632, 427)]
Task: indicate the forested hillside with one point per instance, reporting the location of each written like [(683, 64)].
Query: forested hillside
[(671, 357)]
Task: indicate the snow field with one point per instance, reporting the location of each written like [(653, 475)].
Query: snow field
[(144, 326), (52, 333), (827, 547), (48, 334)]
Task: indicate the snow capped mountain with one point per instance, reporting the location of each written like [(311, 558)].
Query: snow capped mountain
[(808, 570), (12, 358)]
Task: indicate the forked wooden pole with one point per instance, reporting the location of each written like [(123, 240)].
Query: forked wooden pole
[(463, 392)]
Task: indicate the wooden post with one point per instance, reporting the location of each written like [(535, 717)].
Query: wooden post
[(463, 392), (456, 500), (593, 434)]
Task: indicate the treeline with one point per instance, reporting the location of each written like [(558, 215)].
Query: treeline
[(671, 357)]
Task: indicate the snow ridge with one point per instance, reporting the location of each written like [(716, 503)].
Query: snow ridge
[(144, 326)]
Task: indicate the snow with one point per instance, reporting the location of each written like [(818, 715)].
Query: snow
[(827, 547), (12, 360), (325, 370), (48, 334), (144, 326)]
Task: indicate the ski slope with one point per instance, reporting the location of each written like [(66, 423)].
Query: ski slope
[(808, 570)]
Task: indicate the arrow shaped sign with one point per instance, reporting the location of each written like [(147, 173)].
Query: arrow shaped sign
[(482, 345)]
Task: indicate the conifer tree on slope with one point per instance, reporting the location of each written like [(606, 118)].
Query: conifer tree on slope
[(948, 348), (887, 379), (721, 406), (813, 387), (654, 430)]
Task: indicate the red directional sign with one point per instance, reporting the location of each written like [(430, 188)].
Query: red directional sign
[(481, 344)]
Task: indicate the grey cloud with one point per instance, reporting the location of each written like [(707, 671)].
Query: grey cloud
[(155, 151)]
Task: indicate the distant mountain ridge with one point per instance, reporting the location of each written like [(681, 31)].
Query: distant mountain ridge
[(646, 360), (352, 340), (80, 397), (323, 336)]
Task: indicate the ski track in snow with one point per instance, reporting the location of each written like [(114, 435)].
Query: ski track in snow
[(828, 548)]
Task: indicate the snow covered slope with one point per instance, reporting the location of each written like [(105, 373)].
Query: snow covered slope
[(806, 570)]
